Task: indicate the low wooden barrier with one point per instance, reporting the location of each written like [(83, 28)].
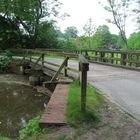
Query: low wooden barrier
[(82, 70)]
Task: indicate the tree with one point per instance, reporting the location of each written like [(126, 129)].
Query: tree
[(89, 30), (136, 10), (134, 41), (8, 33), (29, 14), (119, 10), (71, 32), (48, 35), (102, 37)]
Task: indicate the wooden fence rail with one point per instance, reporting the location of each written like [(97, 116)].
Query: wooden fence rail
[(125, 59)]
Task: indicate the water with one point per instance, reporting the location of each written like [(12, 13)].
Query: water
[(18, 104)]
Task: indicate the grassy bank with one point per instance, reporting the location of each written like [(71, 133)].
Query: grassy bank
[(74, 115)]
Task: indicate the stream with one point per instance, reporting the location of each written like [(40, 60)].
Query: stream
[(18, 104)]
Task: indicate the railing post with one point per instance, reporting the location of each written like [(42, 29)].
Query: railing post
[(84, 67), (43, 60), (112, 58), (96, 54), (30, 59), (102, 55), (123, 58), (86, 54), (65, 68)]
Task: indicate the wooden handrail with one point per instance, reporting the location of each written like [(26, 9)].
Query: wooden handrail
[(128, 59)]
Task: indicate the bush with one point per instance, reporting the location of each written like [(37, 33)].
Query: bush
[(32, 128), (5, 61)]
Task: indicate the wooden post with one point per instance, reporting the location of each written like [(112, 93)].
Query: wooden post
[(84, 67), (30, 59), (96, 54), (123, 58), (102, 55), (112, 58), (65, 70), (86, 54), (43, 60)]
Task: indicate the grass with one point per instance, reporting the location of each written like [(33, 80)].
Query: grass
[(74, 115), (4, 138)]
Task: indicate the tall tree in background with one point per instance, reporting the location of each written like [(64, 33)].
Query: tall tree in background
[(89, 30), (71, 32), (136, 10), (119, 10), (29, 14), (102, 37), (134, 41)]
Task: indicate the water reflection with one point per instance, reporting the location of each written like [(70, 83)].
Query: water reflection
[(18, 104)]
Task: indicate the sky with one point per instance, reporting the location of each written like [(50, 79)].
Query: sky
[(81, 10)]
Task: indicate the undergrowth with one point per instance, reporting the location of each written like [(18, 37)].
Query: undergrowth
[(5, 60), (4, 138), (31, 129)]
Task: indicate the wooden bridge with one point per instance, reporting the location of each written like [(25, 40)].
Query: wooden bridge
[(120, 80)]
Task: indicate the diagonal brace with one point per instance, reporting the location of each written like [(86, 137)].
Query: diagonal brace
[(60, 68)]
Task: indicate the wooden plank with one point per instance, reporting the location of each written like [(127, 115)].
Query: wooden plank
[(53, 64), (37, 62), (60, 68), (54, 113)]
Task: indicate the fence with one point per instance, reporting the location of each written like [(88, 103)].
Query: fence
[(82, 70)]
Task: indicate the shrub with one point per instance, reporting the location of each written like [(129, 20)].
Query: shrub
[(32, 128), (5, 60)]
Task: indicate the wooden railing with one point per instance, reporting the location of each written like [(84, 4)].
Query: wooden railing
[(125, 59), (82, 69)]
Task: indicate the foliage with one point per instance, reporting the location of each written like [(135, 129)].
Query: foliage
[(4, 138), (8, 33), (32, 128), (74, 115), (27, 15), (71, 43), (89, 30), (48, 35), (71, 32), (84, 42), (102, 36), (137, 11), (119, 10), (5, 61), (101, 39), (134, 41)]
